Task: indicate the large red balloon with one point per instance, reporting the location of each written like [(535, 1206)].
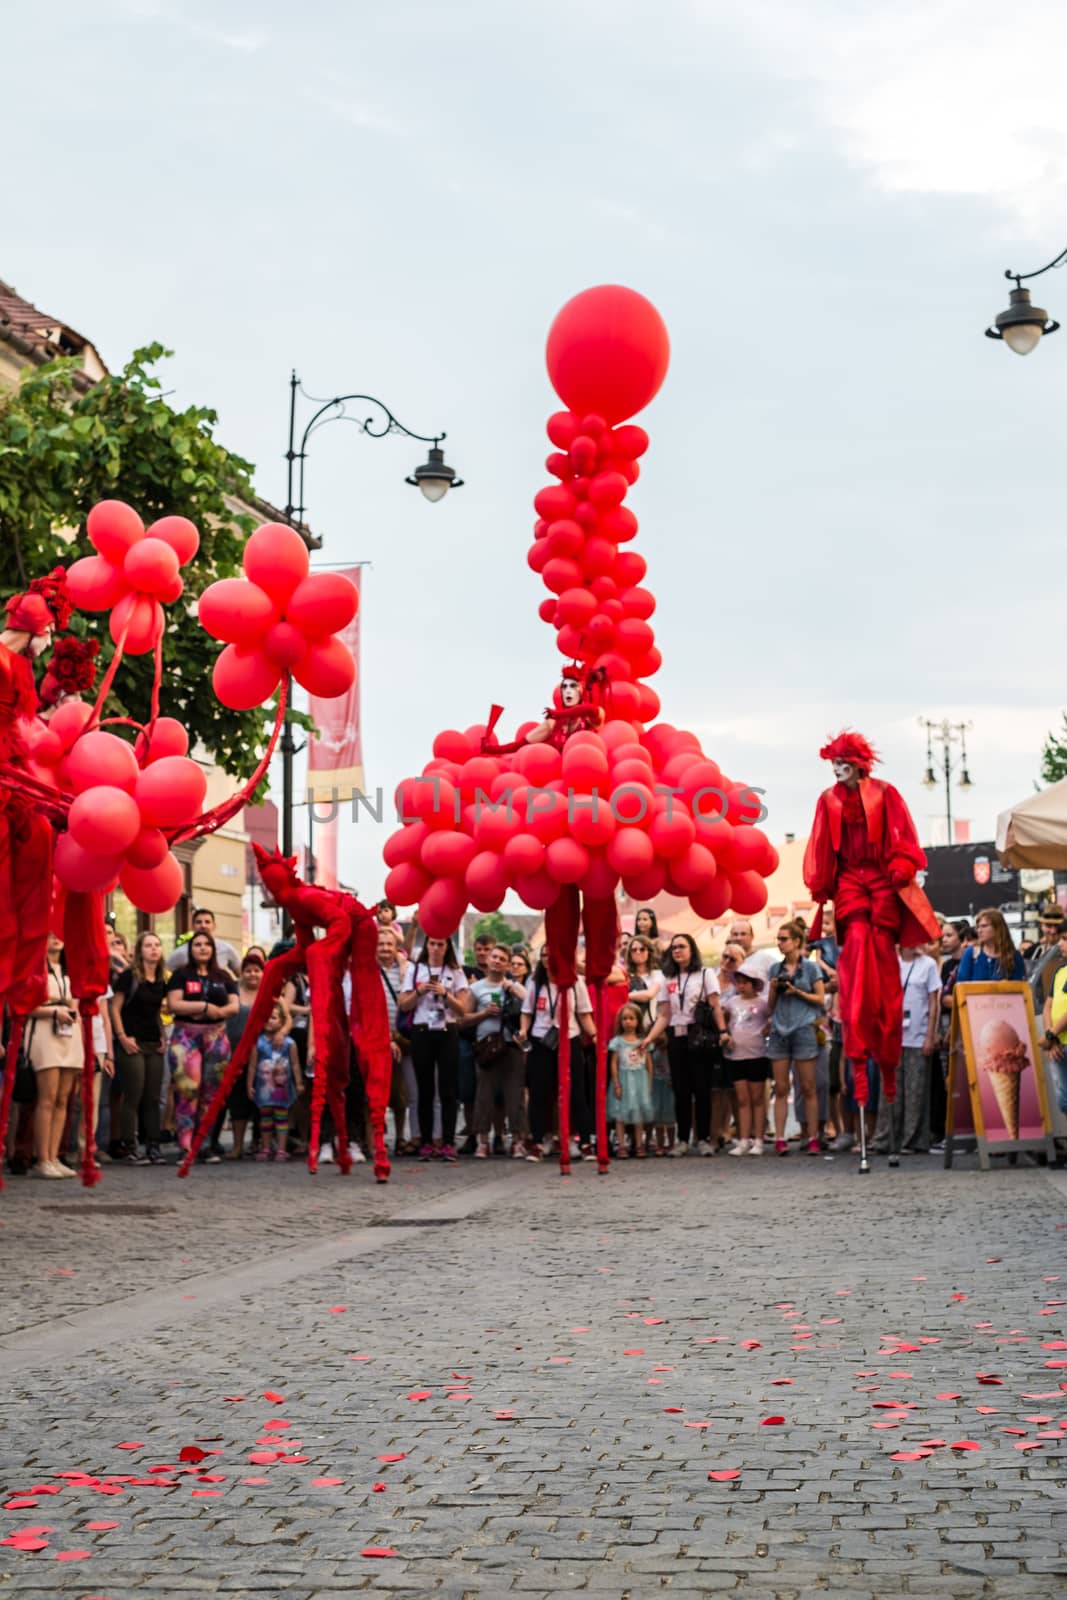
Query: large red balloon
[(180, 534), (164, 737), (113, 527), (104, 820), (749, 893), (151, 566), (236, 611), (155, 889), (447, 855), (95, 584), (322, 604), (607, 352), (100, 758), (148, 849), (407, 883), (441, 907), (327, 668), (276, 558), (171, 792), (487, 880), (244, 678), (82, 870), (566, 861), (136, 622)]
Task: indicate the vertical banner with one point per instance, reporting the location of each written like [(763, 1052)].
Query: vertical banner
[(335, 754)]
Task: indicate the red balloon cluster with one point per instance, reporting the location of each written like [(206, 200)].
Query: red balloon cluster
[(630, 802), (644, 807), (135, 573), (279, 619), (125, 796)]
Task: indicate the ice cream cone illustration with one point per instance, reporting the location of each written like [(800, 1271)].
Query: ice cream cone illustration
[(1003, 1056)]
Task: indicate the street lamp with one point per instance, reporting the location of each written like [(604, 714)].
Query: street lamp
[(433, 476), (1021, 326), (947, 734)]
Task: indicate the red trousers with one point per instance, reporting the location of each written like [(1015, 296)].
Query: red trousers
[(25, 903), (868, 913)]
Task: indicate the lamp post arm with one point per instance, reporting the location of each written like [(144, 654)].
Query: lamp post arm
[(1022, 277), (381, 422)]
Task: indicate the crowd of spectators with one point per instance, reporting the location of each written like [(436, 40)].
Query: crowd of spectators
[(744, 1059)]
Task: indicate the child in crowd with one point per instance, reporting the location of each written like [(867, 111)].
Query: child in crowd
[(631, 1080), (274, 1082), (747, 1019)]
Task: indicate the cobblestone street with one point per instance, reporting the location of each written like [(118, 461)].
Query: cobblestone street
[(760, 1378)]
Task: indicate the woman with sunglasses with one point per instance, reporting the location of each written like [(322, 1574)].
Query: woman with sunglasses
[(688, 983), (796, 1001), (434, 987)]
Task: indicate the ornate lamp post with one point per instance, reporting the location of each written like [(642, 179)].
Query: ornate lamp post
[(434, 477), (946, 734)]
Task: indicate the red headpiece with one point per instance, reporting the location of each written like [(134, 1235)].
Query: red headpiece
[(71, 670), (849, 746), (44, 605)]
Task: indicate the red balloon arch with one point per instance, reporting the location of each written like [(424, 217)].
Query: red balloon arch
[(601, 792)]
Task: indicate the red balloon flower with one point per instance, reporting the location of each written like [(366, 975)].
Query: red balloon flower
[(135, 573), (279, 619)]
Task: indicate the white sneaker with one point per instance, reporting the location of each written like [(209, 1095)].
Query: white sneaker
[(326, 1155), (482, 1151), (704, 1148), (680, 1149), (740, 1147), (755, 1148), (46, 1169)]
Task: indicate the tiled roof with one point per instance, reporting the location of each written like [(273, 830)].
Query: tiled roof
[(49, 334)]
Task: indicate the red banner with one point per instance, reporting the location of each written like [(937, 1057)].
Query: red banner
[(335, 752)]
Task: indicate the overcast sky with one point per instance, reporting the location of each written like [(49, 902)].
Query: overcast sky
[(852, 507)]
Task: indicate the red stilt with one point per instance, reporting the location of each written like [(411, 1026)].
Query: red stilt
[(600, 1015), (91, 1173), (564, 1058), (17, 1024)]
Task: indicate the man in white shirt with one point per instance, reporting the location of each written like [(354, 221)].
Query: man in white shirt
[(204, 922), (540, 1021), (920, 982), (741, 933)]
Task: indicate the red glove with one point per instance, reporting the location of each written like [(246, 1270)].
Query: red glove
[(900, 873)]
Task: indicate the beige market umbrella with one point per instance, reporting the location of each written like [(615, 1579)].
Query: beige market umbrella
[(1034, 833)]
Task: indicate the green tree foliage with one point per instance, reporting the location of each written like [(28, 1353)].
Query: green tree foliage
[(60, 452), (1054, 756), (498, 928)]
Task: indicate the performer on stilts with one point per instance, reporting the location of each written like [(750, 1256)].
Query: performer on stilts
[(863, 855)]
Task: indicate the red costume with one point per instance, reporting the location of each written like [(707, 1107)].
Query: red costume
[(348, 943), (863, 854)]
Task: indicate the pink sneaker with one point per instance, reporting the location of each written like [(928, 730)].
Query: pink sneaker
[(262, 1155), (814, 1147), (781, 1147), (281, 1155)]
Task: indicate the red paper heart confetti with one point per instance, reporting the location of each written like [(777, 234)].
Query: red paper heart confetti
[(399, 1456), (233, 1399), (275, 1426), (1020, 1431), (206, 1494), (420, 1394), (673, 1410), (910, 1455), (131, 1444), (1054, 1344), (751, 1344), (653, 1322), (949, 1394), (965, 1444), (696, 1424), (633, 1352), (335, 1311), (1028, 1444), (988, 1411), (101, 1527), (772, 1422), (191, 1452), (504, 1416), (377, 1550), (24, 1503), (263, 1458), (725, 1474), (885, 1424), (931, 1444), (73, 1555), (255, 1480), (275, 1399), (988, 1378), (17, 1543), (1037, 1419), (326, 1483), (379, 1488)]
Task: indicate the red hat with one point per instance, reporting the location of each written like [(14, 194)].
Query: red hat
[(44, 605), (853, 747)]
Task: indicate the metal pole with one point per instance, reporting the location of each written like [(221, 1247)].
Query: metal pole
[(946, 735), (290, 454)]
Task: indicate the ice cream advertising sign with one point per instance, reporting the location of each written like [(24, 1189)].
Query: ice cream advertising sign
[(1005, 1080)]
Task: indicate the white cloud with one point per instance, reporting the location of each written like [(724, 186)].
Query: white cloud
[(933, 96)]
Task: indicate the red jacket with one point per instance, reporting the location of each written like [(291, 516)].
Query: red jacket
[(895, 849)]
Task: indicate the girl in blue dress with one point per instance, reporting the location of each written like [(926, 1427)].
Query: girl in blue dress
[(630, 1100), (274, 1082)]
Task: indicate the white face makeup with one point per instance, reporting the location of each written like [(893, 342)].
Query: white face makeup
[(571, 692), (844, 771)]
